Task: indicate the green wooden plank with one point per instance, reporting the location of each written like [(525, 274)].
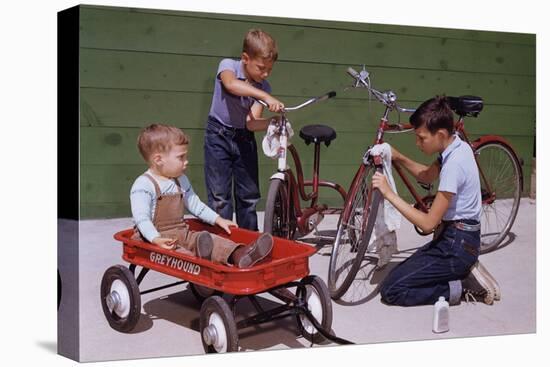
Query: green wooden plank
[(108, 188), (105, 211), (167, 72), (139, 70), (149, 80), (474, 35), (351, 146), (159, 33), (112, 183), (331, 164), (118, 145), (106, 145), (130, 108)]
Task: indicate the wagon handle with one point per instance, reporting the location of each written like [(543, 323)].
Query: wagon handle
[(322, 330)]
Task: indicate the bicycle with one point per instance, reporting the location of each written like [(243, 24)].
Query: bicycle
[(284, 215), (501, 180)]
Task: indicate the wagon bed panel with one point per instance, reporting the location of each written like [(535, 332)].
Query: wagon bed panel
[(288, 262)]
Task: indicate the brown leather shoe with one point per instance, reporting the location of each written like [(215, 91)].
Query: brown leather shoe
[(247, 256), (205, 244)]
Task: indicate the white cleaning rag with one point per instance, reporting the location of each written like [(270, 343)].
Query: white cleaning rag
[(271, 142), (388, 219)]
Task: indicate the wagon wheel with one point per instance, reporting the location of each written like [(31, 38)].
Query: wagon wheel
[(317, 300), (120, 298), (201, 293), (217, 326)]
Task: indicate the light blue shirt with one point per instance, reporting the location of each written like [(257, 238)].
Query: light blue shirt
[(143, 202), (229, 109), (459, 175)]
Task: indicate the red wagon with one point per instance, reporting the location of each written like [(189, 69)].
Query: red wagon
[(288, 263)]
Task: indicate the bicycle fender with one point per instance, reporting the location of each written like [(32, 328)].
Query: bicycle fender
[(491, 138)]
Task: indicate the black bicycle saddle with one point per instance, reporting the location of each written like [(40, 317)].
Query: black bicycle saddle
[(317, 134), (466, 105)]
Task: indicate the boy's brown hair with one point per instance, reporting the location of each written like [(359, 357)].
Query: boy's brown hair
[(435, 114), (258, 43), (159, 138)]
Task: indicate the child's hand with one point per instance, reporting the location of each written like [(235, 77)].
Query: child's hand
[(274, 105), (167, 243), (225, 223), (380, 182)]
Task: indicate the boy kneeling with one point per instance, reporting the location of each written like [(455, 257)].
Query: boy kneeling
[(447, 266)]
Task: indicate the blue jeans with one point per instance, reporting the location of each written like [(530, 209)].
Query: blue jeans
[(434, 270), (231, 168)]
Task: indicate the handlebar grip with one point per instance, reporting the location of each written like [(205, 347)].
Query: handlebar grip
[(353, 73), (326, 96)]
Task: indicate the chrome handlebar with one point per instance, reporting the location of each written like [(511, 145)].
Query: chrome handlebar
[(306, 103), (387, 98)]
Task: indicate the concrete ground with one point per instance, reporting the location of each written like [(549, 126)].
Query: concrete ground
[(169, 320)]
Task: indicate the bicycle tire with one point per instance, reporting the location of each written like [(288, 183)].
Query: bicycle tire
[(492, 234), (350, 255), (278, 216)]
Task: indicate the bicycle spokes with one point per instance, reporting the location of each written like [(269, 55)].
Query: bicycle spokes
[(500, 192)]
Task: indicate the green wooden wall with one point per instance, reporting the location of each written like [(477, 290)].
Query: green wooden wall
[(139, 66)]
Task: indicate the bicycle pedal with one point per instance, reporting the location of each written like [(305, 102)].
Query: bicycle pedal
[(314, 221)]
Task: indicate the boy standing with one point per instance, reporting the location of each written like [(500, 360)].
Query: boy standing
[(447, 266), (230, 152), (159, 197)]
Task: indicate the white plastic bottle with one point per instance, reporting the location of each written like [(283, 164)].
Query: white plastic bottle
[(441, 316)]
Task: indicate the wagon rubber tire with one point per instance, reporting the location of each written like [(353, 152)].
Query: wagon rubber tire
[(319, 304), (216, 318), (201, 293), (125, 314)]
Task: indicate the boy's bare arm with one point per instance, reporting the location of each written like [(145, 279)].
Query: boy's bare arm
[(425, 221), (242, 88), (254, 120), (421, 172)]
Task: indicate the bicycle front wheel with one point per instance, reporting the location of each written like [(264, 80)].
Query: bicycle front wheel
[(279, 218), (500, 177), (355, 227)]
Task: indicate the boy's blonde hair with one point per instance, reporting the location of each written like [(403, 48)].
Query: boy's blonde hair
[(258, 43), (159, 138)]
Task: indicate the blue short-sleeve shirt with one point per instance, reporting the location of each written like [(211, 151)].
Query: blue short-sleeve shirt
[(459, 175), (227, 108)]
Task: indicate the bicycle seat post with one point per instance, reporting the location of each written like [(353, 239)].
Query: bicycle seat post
[(316, 161)]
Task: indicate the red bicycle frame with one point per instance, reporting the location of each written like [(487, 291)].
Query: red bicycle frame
[(296, 190)]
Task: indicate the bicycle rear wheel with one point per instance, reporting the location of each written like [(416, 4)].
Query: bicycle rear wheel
[(500, 177), (355, 228), (279, 217)]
